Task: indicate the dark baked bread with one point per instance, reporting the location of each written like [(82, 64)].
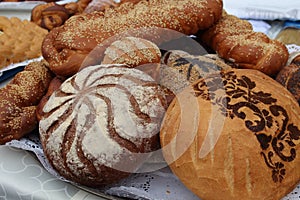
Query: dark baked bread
[(234, 135), (289, 77), (235, 41), (96, 128), (19, 99), (67, 46), (179, 69)]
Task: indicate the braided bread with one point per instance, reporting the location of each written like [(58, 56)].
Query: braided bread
[(235, 41), (67, 46), (19, 99)]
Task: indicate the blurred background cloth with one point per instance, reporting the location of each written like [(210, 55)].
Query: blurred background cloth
[(264, 9)]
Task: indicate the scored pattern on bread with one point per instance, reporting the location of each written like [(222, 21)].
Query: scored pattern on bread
[(235, 41), (93, 124), (19, 99), (180, 69), (132, 51), (67, 46)]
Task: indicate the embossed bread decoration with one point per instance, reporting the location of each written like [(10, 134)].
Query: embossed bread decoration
[(235, 40), (179, 69), (20, 40), (19, 99), (97, 126), (238, 137), (67, 46)]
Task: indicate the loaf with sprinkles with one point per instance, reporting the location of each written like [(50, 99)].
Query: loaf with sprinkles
[(19, 99), (67, 46), (234, 40)]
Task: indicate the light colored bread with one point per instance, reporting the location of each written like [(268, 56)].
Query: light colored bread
[(234, 135)]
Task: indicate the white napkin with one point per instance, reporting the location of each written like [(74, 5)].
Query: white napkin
[(264, 9)]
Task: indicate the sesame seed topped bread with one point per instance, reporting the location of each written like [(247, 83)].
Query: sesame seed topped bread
[(19, 99), (67, 46), (235, 41)]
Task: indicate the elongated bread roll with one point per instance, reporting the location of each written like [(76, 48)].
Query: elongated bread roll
[(19, 99), (67, 46), (235, 40)]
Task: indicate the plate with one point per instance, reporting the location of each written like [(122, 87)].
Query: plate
[(26, 5)]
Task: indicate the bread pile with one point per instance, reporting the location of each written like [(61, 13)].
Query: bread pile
[(20, 40), (226, 127)]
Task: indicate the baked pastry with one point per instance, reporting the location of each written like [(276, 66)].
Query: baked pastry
[(179, 69), (132, 51), (49, 15), (19, 99), (98, 127), (235, 41), (99, 5), (54, 85), (289, 77), (234, 135), (20, 40), (67, 46)]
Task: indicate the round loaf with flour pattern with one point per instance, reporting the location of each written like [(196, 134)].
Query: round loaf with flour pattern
[(100, 125)]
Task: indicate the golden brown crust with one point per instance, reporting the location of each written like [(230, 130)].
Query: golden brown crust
[(20, 40), (19, 99), (53, 86), (234, 40), (49, 15), (67, 46), (234, 133)]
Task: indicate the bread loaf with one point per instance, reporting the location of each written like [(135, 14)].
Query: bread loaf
[(67, 46), (132, 51), (19, 99), (289, 77), (96, 128), (179, 69), (49, 15), (234, 40), (234, 135)]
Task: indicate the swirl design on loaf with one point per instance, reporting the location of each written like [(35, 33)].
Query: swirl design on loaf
[(95, 126)]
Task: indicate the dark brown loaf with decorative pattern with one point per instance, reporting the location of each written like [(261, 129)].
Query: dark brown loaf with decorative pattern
[(97, 126), (179, 69), (19, 99), (235, 40), (234, 135), (67, 46), (289, 77)]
